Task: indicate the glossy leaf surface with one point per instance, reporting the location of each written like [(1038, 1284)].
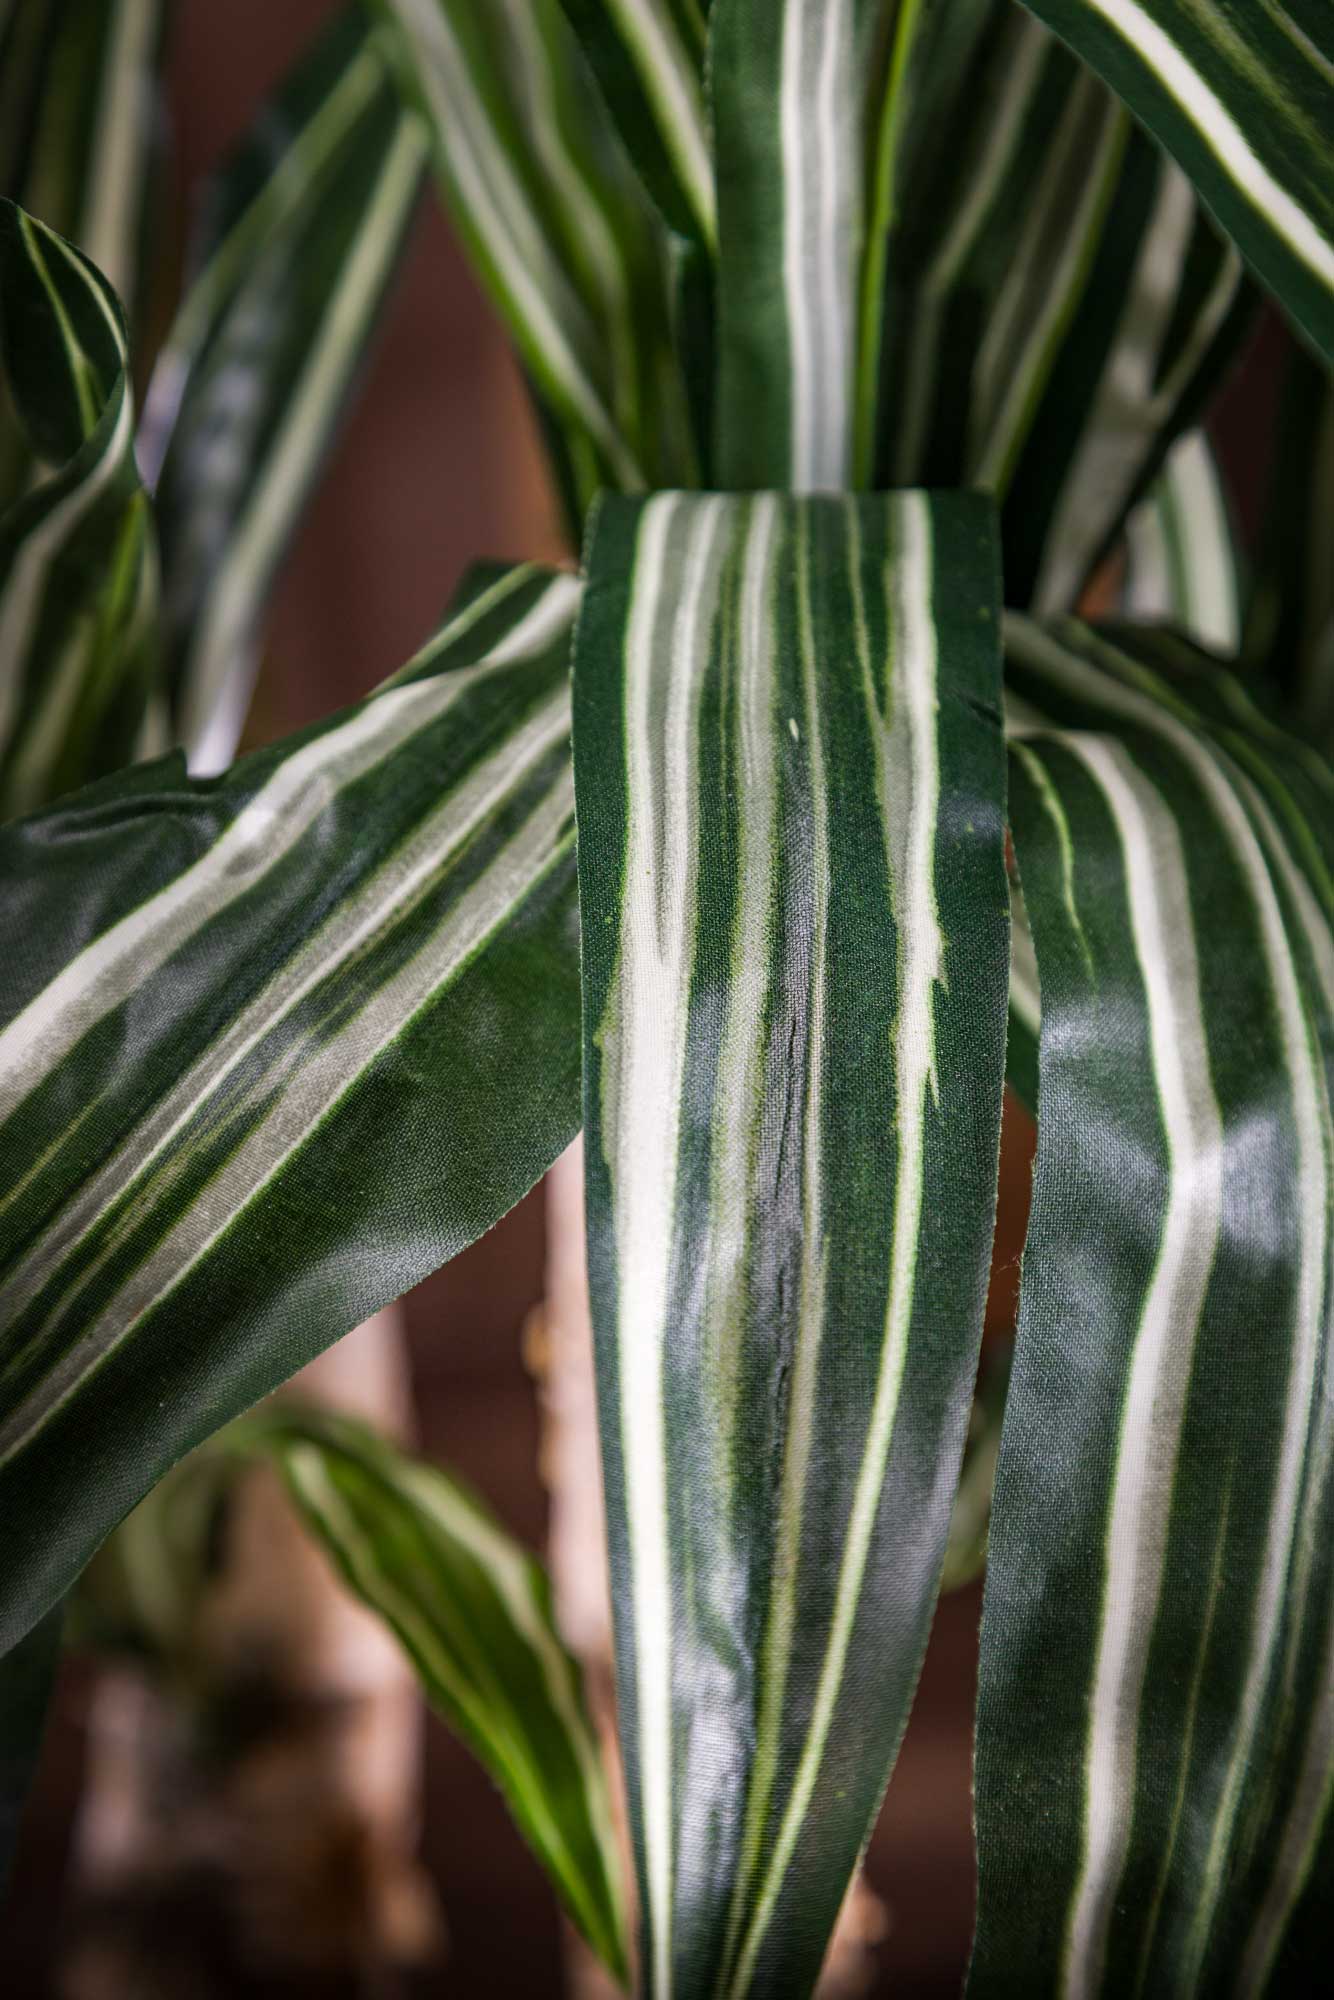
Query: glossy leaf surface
[(276, 1046), (790, 776)]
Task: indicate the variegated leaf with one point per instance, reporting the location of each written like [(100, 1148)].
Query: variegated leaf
[(78, 127), (1183, 565), (78, 559), (563, 235), (1242, 95), (790, 786), (649, 58), (300, 235), (473, 1611), (276, 1045), (1155, 1755), (1057, 307)]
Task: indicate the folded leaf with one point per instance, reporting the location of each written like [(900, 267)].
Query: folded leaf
[(473, 1611), (1242, 97), (563, 235), (276, 1045), (78, 121), (78, 560), (301, 232), (1155, 1751), (789, 773)]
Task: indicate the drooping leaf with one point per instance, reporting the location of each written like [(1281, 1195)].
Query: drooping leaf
[(649, 58), (27, 1673), (1183, 565), (1155, 1755), (1057, 307), (1243, 97), (78, 560), (473, 1610), (301, 230), (562, 232), (1289, 632), (276, 1045), (790, 787)]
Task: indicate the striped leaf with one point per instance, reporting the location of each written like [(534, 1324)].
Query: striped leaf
[(78, 560), (1155, 1755), (1183, 566), (1243, 97), (276, 1045), (473, 1611), (789, 774), (1289, 632), (794, 88), (301, 230), (648, 56), (78, 126), (1057, 307), (563, 235)]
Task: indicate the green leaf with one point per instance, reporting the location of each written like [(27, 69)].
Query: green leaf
[(473, 1611), (790, 780), (648, 56), (795, 87), (77, 122), (564, 237), (1057, 307), (301, 232), (1155, 1753), (1243, 97), (27, 1673), (1183, 565), (78, 561), (276, 1045)]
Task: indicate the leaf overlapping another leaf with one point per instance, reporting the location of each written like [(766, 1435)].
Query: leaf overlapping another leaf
[(276, 1046), (1161, 1572), (789, 772), (78, 557)]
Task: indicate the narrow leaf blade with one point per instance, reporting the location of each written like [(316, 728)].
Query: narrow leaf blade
[(277, 1045), (473, 1611), (302, 230), (1242, 97), (789, 775), (79, 649), (1161, 1567)]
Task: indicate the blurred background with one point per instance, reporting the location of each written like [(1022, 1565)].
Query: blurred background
[(123, 1882)]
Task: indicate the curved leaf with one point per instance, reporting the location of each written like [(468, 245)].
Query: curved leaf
[(473, 1611), (563, 234), (275, 1047), (1057, 307), (1242, 97), (78, 560), (789, 774), (1160, 1586)]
